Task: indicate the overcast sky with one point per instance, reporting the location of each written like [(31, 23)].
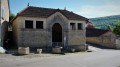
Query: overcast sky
[(86, 8)]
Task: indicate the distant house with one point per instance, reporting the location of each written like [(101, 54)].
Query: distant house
[(90, 25), (4, 19), (101, 37), (47, 27)]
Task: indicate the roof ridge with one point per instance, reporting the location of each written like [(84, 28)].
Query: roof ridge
[(23, 10), (42, 7), (51, 8), (46, 12), (34, 7)]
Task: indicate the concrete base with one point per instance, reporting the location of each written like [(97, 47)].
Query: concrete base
[(23, 50), (72, 50), (39, 51), (56, 50)]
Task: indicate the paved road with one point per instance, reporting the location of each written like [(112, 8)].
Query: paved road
[(101, 58)]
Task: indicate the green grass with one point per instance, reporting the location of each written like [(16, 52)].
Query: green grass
[(30, 56)]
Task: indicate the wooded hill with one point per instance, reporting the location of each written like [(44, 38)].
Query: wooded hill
[(104, 22)]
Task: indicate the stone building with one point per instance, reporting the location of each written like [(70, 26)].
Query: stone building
[(4, 19), (101, 37), (90, 25), (47, 27)]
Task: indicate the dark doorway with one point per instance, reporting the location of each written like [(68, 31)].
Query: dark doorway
[(56, 33)]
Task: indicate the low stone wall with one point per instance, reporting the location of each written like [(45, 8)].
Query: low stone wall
[(94, 40), (101, 41), (118, 43)]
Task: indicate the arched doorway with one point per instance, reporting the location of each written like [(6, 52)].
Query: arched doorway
[(56, 35)]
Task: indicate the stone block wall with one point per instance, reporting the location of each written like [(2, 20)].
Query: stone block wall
[(34, 38), (76, 40), (118, 43), (94, 40), (106, 42)]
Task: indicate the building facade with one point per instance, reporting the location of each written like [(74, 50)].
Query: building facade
[(47, 27), (4, 19)]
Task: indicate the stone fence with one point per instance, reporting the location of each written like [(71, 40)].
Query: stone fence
[(118, 43)]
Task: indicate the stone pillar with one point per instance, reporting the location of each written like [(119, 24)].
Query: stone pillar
[(65, 39), (34, 24), (50, 38), (76, 26), (0, 35)]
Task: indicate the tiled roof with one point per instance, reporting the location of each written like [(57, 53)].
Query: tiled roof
[(92, 32), (31, 11)]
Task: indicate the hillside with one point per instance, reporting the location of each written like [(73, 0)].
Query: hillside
[(103, 22)]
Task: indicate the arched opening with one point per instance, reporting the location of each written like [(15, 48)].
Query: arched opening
[(56, 35)]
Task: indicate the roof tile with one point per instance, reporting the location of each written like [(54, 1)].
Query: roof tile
[(92, 32), (31, 11)]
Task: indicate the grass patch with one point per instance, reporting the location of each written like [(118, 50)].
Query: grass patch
[(40, 55), (30, 56)]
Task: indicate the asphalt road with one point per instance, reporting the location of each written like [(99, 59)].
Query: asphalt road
[(101, 58)]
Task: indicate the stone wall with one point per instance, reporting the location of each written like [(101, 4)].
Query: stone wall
[(106, 40), (118, 43), (76, 38), (34, 38), (15, 29), (95, 40), (4, 19)]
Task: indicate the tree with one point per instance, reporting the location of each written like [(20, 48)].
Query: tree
[(117, 28), (10, 18), (109, 27)]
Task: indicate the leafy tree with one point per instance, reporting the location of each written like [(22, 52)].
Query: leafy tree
[(109, 27), (10, 18), (117, 28), (97, 27)]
